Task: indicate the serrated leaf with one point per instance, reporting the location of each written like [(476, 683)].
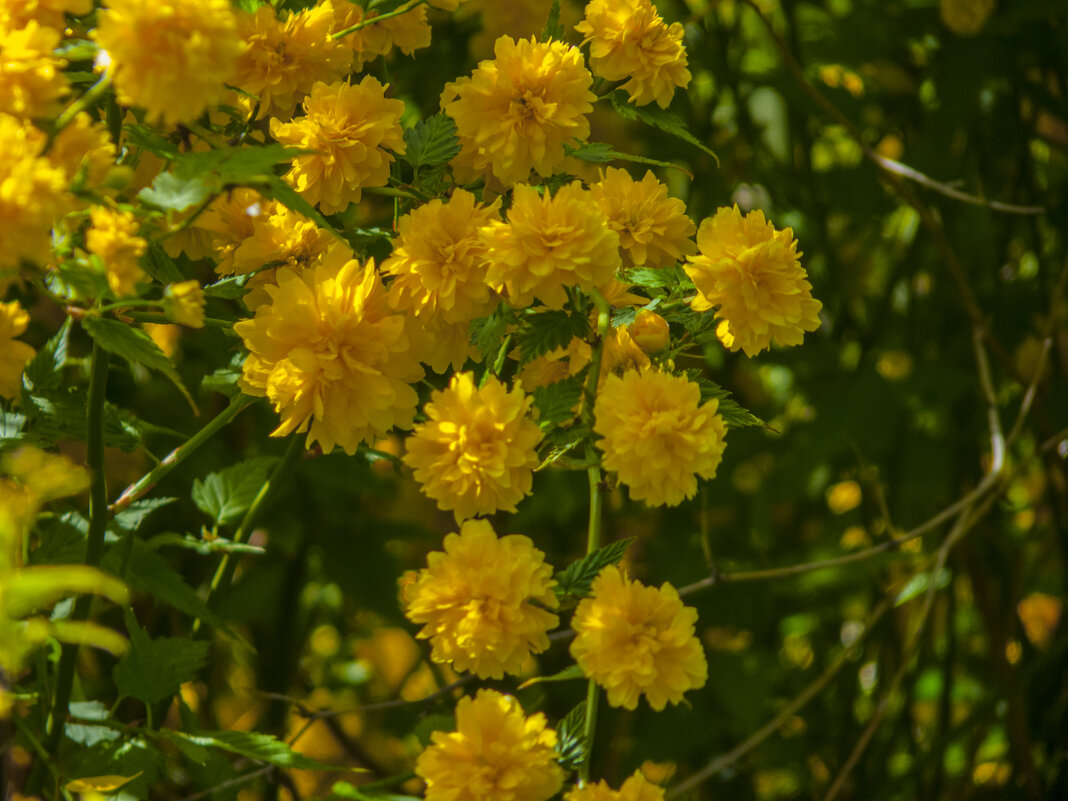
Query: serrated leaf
[(602, 153), (12, 425), (487, 333), (159, 265), (659, 118), (171, 193), (546, 331), (576, 578), (666, 278), (45, 370), (155, 668), (130, 518), (563, 441), (148, 139), (733, 413), (225, 496), (253, 745), (570, 673), (571, 738), (553, 29), (432, 141), (556, 402)]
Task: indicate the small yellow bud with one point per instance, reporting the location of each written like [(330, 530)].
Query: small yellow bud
[(184, 303), (650, 331)]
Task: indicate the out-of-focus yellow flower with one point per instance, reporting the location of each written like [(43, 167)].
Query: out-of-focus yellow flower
[(49, 13), (283, 60), (112, 236), (1040, 613), (14, 355), (516, 112), (330, 355), (171, 57), (657, 435), (629, 41), (753, 274), (496, 752), (165, 336), (653, 229), (84, 142), (408, 32), (230, 220), (31, 78), (439, 260), (965, 17), (184, 303), (349, 128), (550, 242), (475, 601), (635, 640), (635, 788), (33, 195), (844, 496), (477, 452), (279, 236), (48, 475), (650, 331)]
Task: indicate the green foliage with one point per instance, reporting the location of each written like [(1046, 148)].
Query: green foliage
[(553, 28), (659, 118), (154, 668), (733, 413), (546, 331), (251, 745), (573, 582), (571, 739), (44, 373), (226, 496), (432, 141), (556, 402)]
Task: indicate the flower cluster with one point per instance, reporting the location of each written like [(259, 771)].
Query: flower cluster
[(635, 788), (476, 601)]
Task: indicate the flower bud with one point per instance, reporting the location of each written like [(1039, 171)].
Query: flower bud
[(184, 303), (650, 331)]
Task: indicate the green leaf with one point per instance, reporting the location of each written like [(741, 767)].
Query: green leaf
[(570, 673), (159, 265), (171, 193), (155, 668), (488, 333), (576, 578), (733, 413), (667, 278), (548, 330), (556, 402), (225, 496), (919, 584), (222, 380), (252, 745), (231, 287), (563, 441), (85, 733), (659, 118), (349, 790), (12, 427), (553, 29), (571, 738), (148, 139), (425, 727), (602, 153), (234, 165), (130, 518), (432, 141), (45, 370), (288, 197)]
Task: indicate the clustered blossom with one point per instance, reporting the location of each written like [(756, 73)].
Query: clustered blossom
[(635, 640), (349, 128), (476, 601), (14, 355), (752, 275), (31, 80), (477, 452), (184, 303), (629, 41), (330, 356), (635, 788), (496, 752), (112, 236), (516, 111), (657, 436), (171, 57)]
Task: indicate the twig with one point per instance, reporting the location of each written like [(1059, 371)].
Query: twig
[(997, 438), (234, 782), (313, 715)]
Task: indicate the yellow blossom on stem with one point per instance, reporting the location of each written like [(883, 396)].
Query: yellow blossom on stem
[(33, 193), (752, 275), (476, 601), (112, 236), (184, 303), (329, 355), (548, 243), (657, 435), (635, 640), (650, 331), (653, 229), (477, 451), (31, 78), (629, 41), (439, 260), (14, 355), (495, 753), (516, 112), (283, 60), (171, 57), (350, 128), (230, 220), (635, 788)]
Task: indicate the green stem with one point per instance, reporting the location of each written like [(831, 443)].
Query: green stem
[(224, 574), (92, 94), (94, 548), (140, 487), (404, 9), (163, 319)]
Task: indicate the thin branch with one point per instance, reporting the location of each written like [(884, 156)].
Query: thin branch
[(997, 438), (314, 715)]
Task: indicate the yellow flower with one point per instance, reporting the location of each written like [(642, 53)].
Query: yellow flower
[(753, 273), (49, 13), (629, 40), (408, 32), (330, 356), (516, 112), (47, 475), (653, 228), (171, 57), (84, 144), (184, 303), (112, 236), (657, 436), (33, 193), (634, 640), (440, 262), (31, 78), (650, 331), (283, 60), (550, 242), (280, 236), (349, 128), (621, 354), (437, 343), (230, 220), (556, 365), (965, 17), (476, 454), (635, 788), (495, 753), (474, 601), (14, 355)]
